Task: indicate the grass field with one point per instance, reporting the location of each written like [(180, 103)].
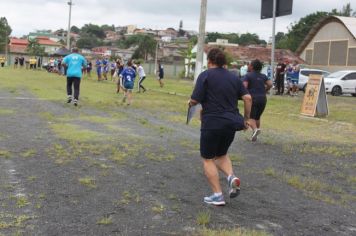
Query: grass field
[(103, 149), (281, 121)]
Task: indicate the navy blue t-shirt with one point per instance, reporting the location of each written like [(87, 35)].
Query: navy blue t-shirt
[(256, 85), (218, 91)]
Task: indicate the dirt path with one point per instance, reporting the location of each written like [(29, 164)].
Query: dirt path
[(140, 174)]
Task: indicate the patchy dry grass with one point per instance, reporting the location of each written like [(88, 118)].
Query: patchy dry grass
[(232, 232), (76, 133), (158, 209), (6, 112), (5, 154), (105, 221), (88, 182), (29, 153), (203, 218)]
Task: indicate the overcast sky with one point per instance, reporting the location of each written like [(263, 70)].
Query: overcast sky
[(238, 16)]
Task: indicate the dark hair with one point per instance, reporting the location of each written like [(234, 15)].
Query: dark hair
[(256, 65), (75, 50), (129, 63), (217, 57)]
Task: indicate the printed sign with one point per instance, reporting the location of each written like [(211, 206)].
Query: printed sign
[(315, 103)]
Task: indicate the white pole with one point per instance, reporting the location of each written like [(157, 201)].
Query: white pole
[(6, 48), (156, 58), (70, 16), (273, 38), (201, 40)]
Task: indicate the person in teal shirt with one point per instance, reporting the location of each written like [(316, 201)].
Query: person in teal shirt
[(74, 63)]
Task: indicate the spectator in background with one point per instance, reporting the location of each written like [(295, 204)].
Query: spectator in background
[(99, 69), (234, 69), (280, 72), (142, 76), (2, 61), (119, 68), (112, 69), (257, 84), (160, 72), (21, 61), (243, 70), (16, 62), (89, 67), (105, 69)]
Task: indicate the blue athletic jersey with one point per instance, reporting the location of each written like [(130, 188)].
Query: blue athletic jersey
[(128, 75), (98, 63), (75, 62)]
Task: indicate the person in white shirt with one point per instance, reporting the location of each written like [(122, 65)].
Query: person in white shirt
[(142, 75), (243, 70)]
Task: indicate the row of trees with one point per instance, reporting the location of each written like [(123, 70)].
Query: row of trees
[(243, 39), (298, 30)]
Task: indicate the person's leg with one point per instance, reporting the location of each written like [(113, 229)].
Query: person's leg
[(212, 174), (129, 96), (69, 89), (278, 84), (224, 164), (143, 78), (258, 124), (282, 85), (76, 90)]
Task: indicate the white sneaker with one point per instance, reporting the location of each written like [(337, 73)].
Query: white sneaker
[(255, 134)]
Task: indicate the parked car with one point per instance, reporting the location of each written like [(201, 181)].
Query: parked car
[(304, 77), (341, 82)]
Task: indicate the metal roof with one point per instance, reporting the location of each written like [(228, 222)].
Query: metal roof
[(348, 22)]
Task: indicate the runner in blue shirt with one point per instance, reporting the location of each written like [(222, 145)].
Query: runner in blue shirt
[(98, 68), (105, 64), (74, 64), (128, 76)]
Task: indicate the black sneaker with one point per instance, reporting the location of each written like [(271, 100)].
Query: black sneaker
[(69, 100), (75, 102)]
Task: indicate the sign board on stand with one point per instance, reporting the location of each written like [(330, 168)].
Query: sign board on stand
[(315, 103)]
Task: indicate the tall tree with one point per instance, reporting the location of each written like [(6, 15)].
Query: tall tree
[(189, 55), (94, 30), (75, 29), (5, 32), (145, 45), (34, 48)]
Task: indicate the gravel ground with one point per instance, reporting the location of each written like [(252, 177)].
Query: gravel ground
[(140, 174)]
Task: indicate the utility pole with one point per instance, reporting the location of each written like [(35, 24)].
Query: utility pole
[(201, 40), (70, 16), (6, 48), (273, 38)]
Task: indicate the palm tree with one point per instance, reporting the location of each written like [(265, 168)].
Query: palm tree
[(188, 55)]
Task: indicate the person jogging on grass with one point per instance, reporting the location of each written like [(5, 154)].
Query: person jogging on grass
[(142, 75), (98, 64), (128, 76), (74, 63), (160, 72), (218, 91), (258, 85)]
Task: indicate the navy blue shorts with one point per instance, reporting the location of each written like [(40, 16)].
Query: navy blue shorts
[(215, 143), (258, 107)]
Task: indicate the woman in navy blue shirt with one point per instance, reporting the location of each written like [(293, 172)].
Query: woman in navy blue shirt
[(218, 90), (257, 84)]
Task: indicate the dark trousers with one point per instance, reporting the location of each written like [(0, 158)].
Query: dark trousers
[(140, 83), (2, 64), (280, 84), (75, 81)]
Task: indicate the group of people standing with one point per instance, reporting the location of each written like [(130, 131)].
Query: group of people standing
[(218, 91), (290, 72)]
